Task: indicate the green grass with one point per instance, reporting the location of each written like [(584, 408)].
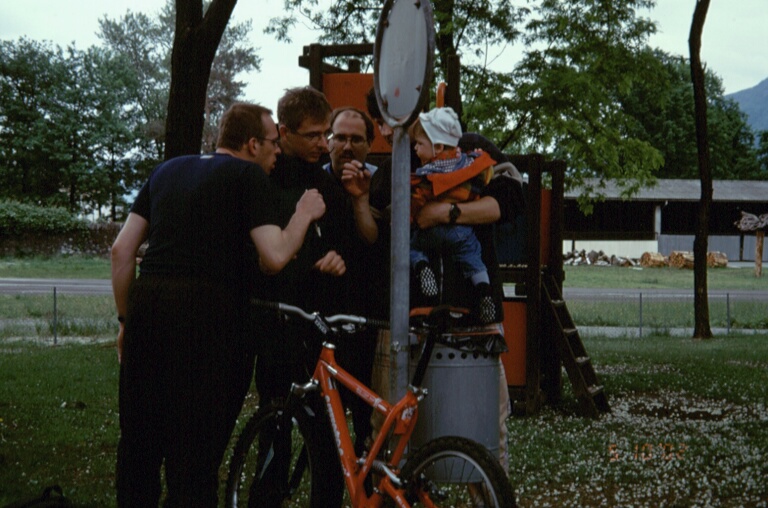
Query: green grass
[(74, 316), (65, 267), (659, 314), (584, 276), (688, 427)]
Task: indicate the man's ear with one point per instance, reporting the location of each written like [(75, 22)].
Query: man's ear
[(253, 147), (282, 129)]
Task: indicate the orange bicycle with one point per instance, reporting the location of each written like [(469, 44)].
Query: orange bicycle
[(287, 453)]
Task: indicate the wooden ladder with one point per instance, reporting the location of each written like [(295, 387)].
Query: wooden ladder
[(590, 394)]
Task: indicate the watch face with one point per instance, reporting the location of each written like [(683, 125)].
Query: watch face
[(454, 212)]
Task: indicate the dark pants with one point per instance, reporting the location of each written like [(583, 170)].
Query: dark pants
[(186, 367)]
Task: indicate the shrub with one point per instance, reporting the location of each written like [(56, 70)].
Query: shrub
[(17, 219)]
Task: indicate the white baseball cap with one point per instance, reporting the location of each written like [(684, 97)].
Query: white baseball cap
[(442, 126)]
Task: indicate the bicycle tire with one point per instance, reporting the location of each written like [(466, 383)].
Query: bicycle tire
[(249, 483), (457, 472)]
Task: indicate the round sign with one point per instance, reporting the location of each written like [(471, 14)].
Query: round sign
[(403, 58)]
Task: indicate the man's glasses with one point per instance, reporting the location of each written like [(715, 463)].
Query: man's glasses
[(275, 142), (342, 139), (314, 137)]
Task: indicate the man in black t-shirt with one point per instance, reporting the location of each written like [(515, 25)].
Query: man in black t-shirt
[(185, 346)]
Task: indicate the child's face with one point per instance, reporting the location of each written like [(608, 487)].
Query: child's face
[(423, 147)]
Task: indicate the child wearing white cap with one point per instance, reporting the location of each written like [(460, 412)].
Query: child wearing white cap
[(448, 175)]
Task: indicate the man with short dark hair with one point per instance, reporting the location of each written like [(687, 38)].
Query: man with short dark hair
[(185, 344), (313, 280), (352, 135)]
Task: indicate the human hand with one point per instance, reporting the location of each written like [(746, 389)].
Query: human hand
[(432, 214), (311, 204), (332, 264), (355, 178)]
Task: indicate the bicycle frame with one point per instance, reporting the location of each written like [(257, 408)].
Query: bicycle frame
[(400, 418)]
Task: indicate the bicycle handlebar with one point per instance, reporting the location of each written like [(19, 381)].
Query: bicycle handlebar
[(312, 316)]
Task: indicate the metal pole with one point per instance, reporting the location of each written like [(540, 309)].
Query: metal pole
[(641, 315), (728, 312), (399, 303), (55, 318)]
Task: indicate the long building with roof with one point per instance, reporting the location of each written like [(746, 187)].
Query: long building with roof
[(663, 219)]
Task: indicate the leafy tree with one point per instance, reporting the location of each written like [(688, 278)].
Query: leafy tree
[(582, 57), (662, 107), (64, 135), (148, 43), (29, 74)]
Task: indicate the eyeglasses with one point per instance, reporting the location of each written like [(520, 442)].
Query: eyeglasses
[(275, 142), (342, 139), (314, 137)]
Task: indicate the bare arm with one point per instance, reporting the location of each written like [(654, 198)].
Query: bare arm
[(482, 211), (277, 246), (123, 254)]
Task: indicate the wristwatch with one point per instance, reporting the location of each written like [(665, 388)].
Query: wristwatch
[(454, 213)]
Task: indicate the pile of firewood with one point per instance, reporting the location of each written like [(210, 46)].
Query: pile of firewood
[(676, 259), (599, 258), (681, 259)]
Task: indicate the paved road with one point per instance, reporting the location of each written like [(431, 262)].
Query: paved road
[(63, 286), (104, 287)]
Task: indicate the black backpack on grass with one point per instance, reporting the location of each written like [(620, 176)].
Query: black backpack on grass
[(52, 497)]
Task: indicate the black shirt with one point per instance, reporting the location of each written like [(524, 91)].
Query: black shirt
[(200, 210)]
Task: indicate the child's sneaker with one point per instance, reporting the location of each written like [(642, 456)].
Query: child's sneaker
[(486, 310), (427, 280)]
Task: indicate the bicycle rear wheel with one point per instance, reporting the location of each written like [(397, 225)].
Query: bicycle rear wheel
[(456, 472), (269, 466)]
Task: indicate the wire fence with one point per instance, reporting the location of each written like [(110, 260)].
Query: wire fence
[(653, 313)]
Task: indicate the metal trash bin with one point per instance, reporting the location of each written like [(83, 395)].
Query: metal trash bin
[(462, 398), (462, 382)]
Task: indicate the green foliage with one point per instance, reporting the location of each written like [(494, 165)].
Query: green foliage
[(662, 107), (82, 129), (63, 135), (583, 58), (20, 218)]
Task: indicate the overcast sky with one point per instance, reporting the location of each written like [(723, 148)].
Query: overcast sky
[(733, 44)]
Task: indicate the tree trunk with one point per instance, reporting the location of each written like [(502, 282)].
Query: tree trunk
[(702, 328), (759, 253), (194, 47)]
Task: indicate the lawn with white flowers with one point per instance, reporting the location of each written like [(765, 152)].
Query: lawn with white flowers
[(688, 427)]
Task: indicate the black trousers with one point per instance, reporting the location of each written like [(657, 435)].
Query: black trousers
[(187, 365)]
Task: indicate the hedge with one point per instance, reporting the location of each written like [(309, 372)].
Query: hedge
[(21, 218), (29, 230)]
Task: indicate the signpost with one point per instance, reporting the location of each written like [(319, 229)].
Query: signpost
[(402, 74)]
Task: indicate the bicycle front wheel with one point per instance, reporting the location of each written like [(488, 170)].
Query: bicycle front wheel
[(270, 465), (456, 472)]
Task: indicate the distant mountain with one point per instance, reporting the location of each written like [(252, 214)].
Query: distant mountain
[(754, 102)]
